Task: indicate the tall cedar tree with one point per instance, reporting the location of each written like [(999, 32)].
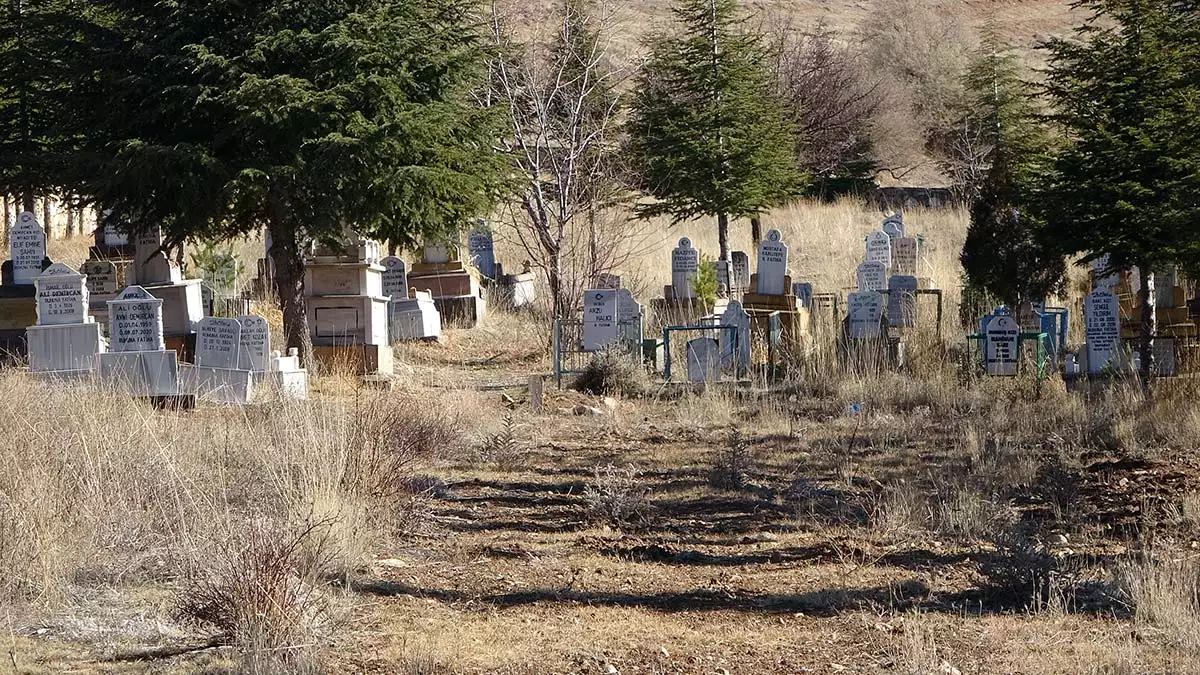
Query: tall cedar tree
[(307, 117), (43, 80), (707, 132), (1127, 93), (1004, 254)]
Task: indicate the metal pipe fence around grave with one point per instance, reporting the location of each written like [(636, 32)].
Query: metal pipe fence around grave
[(570, 358), (709, 330)]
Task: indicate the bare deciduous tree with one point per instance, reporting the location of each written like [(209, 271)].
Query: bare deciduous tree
[(563, 99)]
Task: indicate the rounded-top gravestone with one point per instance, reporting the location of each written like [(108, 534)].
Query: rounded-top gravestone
[(772, 265), (136, 320), (27, 249), (62, 296)]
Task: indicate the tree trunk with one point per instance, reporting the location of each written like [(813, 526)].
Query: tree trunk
[(70, 222), (1149, 326), (723, 235), (289, 285), (593, 241), (756, 230), (558, 289), (28, 203), (8, 217), (46, 218)]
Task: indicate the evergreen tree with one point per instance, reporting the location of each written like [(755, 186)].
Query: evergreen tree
[(707, 131), (1127, 93), (44, 82), (307, 117), (1003, 254)]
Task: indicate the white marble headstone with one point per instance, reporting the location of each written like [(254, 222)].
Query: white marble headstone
[(135, 318), (872, 276), (902, 300), (685, 265), (1102, 316), (1001, 341), (599, 319), (255, 348), (395, 278), (739, 355), (865, 315), (218, 342), (772, 265), (436, 253), (62, 296), (879, 248), (904, 256), (27, 248)]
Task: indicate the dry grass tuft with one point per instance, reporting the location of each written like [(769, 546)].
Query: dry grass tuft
[(1163, 589), (613, 371)]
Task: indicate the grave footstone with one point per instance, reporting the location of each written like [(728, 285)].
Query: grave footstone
[(872, 277), (736, 357), (218, 343), (599, 319), (879, 248), (395, 278), (27, 249), (1001, 342), (1102, 316), (902, 301), (865, 315), (772, 265), (685, 265)]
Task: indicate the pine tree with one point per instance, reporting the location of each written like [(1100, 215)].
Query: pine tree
[(707, 132), (44, 80), (307, 117), (1004, 254), (1127, 94)]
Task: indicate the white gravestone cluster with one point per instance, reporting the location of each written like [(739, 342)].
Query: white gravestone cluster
[(234, 361), (65, 340), (27, 249), (685, 265), (1001, 345), (772, 265), (137, 360)]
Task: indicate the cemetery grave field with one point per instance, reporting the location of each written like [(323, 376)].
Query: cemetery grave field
[(645, 536)]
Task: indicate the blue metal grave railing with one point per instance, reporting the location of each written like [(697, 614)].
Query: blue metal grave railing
[(570, 358), (977, 350), (1056, 323), (667, 330)]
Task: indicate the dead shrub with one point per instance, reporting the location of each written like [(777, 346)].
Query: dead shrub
[(616, 497), (968, 514), (262, 589), (1163, 589), (613, 371), (1022, 572), (501, 449)]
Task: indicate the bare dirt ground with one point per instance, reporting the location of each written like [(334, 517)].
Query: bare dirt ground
[(910, 538)]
